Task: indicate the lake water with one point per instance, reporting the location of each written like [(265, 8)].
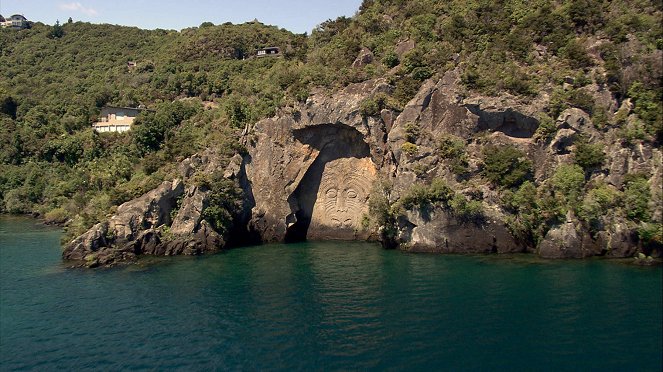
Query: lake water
[(323, 306)]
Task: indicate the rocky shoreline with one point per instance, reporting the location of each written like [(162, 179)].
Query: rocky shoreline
[(312, 172)]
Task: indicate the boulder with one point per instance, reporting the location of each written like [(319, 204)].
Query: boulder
[(364, 58), (148, 211), (441, 232), (568, 241)]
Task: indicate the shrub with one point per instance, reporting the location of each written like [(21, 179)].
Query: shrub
[(383, 213), (576, 54), (636, 198), (547, 128), (596, 205), (452, 148), (467, 211), (56, 215), (561, 100), (421, 196), (527, 223), (651, 235), (588, 156), (409, 148), (568, 181), (224, 202), (412, 131), (390, 60), (506, 166), (372, 106)]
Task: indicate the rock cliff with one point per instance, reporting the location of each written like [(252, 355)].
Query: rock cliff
[(313, 171)]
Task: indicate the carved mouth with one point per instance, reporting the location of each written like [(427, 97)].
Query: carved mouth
[(345, 222)]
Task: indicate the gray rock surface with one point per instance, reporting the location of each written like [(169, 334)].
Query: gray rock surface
[(308, 173)]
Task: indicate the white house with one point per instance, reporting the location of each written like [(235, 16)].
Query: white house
[(116, 119), (269, 51), (16, 21)]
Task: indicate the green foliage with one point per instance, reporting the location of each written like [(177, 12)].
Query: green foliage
[(527, 222), (588, 155), (506, 166), (576, 54), (547, 128), (452, 149), (412, 132), (648, 108), (651, 235), (390, 60), (563, 99), (56, 31), (636, 198), (383, 213), (373, 105), (224, 201), (409, 148), (466, 210), (438, 193), (567, 182), (598, 202)]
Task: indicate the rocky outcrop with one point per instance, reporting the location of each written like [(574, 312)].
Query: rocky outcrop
[(165, 221), (441, 232), (565, 242), (364, 58), (310, 171)]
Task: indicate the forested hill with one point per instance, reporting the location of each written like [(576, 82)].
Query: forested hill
[(204, 86)]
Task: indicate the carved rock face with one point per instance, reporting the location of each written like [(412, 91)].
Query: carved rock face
[(342, 199)]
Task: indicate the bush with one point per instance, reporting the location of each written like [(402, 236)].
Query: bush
[(568, 181), (383, 213), (576, 55), (588, 156), (466, 211), (409, 148), (561, 100), (390, 60), (224, 202), (412, 131), (527, 222), (422, 196), (452, 148), (547, 128), (636, 198), (506, 166), (372, 106), (651, 235), (596, 205)]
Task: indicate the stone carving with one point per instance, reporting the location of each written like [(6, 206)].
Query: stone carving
[(342, 199)]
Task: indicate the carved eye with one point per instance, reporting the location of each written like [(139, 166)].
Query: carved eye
[(331, 193), (352, 194)]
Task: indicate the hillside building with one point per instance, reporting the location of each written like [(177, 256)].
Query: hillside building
[(269, 52), (116, 119), (16, 21)]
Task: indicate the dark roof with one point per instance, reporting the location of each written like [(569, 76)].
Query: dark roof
[(17, 17), (2, 19)]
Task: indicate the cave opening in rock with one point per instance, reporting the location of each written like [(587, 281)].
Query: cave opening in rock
[(334, 191), (510, 122)]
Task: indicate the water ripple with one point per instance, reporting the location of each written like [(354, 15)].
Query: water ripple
[(322, 306)]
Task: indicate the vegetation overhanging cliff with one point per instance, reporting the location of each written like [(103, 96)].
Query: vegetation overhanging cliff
[(480, 126)]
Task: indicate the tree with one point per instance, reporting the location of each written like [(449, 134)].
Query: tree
[(56, 31)]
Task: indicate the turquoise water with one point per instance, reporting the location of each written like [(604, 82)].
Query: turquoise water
[(323, 306)]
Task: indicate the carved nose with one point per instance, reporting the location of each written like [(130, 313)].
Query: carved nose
[(340, 203)]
